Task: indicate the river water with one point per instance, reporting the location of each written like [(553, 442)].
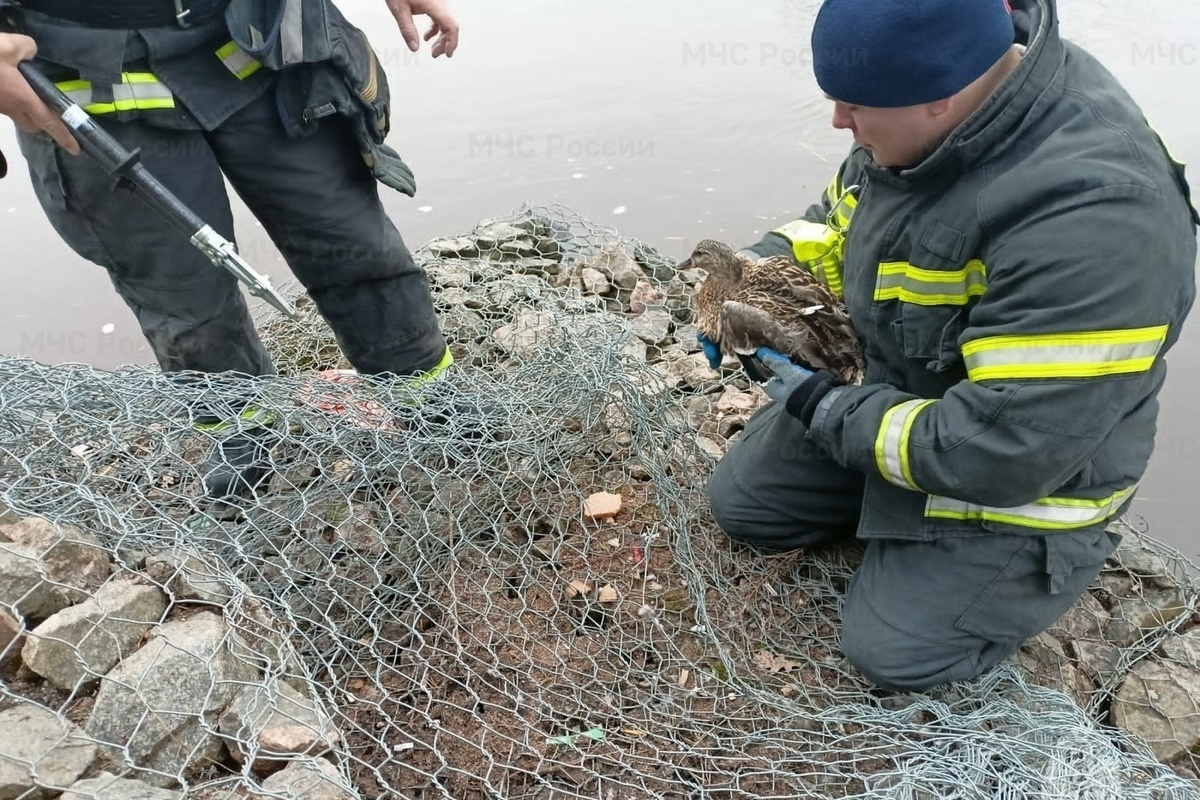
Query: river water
[(670, 120)]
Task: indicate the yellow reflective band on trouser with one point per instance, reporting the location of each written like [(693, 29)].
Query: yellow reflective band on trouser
[(1064, 355), (819, 247), (891, 444), (900, 280), (251, 417), (237, 61), (1051, 513), (137, 91), (437, 372)]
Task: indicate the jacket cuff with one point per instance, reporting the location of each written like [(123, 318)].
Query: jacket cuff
[(803, 402)]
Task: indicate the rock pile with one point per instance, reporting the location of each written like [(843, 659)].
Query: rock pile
[(132, 675), (1128, 652), (154, 669)]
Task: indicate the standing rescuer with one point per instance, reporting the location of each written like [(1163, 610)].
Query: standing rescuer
[(285, 99), (1017, 250)]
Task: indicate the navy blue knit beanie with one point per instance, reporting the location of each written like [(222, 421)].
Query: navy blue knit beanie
[(891, 53)]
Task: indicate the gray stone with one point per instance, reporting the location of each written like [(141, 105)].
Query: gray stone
[(613, 259), (309, 779), (1098, 660), (456, 247), (71, 558), (162, 702), (1086, 620), (1045, 663), (1137, 556), (451, 275), (40, 754), (7, 515), (593, 281), (107, 786), (512, 290), (1160, 702), (530, 333), (635, 350), (654, 326), (1117, 585), (269, 723), (1184, 649), (645, 296), (79, 644), (685, 338), (689, 371), (710, 447), (1134, 617), (541, 267), (12, 638), (491, 235), (189, 575), (24, 586)]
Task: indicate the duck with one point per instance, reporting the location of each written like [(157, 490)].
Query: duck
[(745, 303)]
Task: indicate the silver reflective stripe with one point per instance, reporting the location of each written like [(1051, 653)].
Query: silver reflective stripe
[(1071, 355), (291, 32), (139, 94), (1052, 513), (80, 97), (237, 60), (891, 445), (900, 280)]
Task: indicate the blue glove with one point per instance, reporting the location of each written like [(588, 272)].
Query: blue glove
[(711, 350), (788, 375)]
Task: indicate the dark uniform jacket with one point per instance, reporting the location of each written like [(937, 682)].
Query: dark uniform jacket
[(197, 76), (1016, 293)]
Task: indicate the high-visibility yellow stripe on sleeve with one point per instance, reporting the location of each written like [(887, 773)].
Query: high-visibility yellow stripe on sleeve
[(1051, 513), (237, 60), (1089, 354), (891, 444), (900, 280), (818, 247)]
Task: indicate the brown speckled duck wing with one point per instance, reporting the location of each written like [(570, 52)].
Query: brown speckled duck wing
[(749, 327)]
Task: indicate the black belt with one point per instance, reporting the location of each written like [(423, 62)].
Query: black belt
[(129, 13)]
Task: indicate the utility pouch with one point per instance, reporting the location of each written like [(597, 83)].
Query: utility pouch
[(351, 82)]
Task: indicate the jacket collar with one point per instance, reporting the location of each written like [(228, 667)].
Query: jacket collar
[(1015, 103)]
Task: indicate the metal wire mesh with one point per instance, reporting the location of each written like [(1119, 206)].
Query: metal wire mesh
[(428, 599)]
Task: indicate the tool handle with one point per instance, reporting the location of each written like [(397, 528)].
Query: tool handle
[(114, 158)]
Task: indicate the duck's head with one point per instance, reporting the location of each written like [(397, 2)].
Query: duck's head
[(724, 273), (718, 260)]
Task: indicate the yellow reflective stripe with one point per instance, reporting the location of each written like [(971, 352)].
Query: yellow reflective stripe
[(436, 372), (138, 91), (900, 280), (1064, 355), (141, 91), (252, 415), (835, 192), (237, 60), (891, 444), (817, 246), (1051, 513)]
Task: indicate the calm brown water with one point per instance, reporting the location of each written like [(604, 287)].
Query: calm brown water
[(696, 118)]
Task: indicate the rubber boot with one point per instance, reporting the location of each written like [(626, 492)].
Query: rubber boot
[(237, 469)]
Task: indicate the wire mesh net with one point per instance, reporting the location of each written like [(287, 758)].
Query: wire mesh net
[(504, 586)]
